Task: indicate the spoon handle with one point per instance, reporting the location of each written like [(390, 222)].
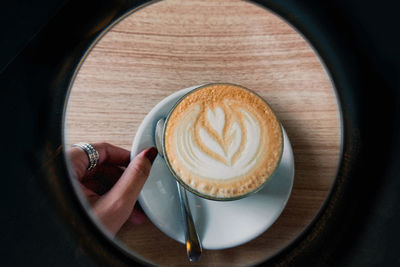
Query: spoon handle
[(193, 246)]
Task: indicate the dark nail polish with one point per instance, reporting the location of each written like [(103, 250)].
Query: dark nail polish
[(151, 154)]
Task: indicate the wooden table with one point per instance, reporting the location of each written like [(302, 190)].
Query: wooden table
[(174, 44)]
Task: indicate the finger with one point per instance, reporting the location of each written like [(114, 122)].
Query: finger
[(113, 155), (108, 154), (80, 162), (135, 175), (115, 207), (137, 217)]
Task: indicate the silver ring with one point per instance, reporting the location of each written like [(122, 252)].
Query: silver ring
[(93, 154)]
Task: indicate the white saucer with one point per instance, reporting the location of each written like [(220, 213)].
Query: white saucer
[(220, 224)]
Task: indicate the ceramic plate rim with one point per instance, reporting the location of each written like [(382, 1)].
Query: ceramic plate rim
[(151, 116)]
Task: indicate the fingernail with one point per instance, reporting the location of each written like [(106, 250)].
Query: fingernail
[(151, 154)]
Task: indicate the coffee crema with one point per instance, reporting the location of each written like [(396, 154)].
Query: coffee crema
[(222, 141)]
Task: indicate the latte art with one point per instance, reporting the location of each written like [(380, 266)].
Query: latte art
[(222, 141)]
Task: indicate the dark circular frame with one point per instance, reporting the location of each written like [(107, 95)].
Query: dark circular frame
[(327, 239)]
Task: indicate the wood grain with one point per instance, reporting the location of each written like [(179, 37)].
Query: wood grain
[(173, 44)]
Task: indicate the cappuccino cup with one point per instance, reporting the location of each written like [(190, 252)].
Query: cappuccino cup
[(222, 141)]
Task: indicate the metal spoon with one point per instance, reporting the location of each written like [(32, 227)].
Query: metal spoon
[(193, 245)]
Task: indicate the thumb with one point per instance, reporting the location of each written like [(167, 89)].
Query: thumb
[(114, 208), (135, 175)]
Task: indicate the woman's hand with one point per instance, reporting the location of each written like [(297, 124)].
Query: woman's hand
[(110, 188)]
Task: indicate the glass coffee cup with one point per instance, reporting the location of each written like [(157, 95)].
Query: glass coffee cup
[(222, 141)]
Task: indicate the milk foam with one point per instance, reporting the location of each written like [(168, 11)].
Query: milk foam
[(215, 148), (223, 141)]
